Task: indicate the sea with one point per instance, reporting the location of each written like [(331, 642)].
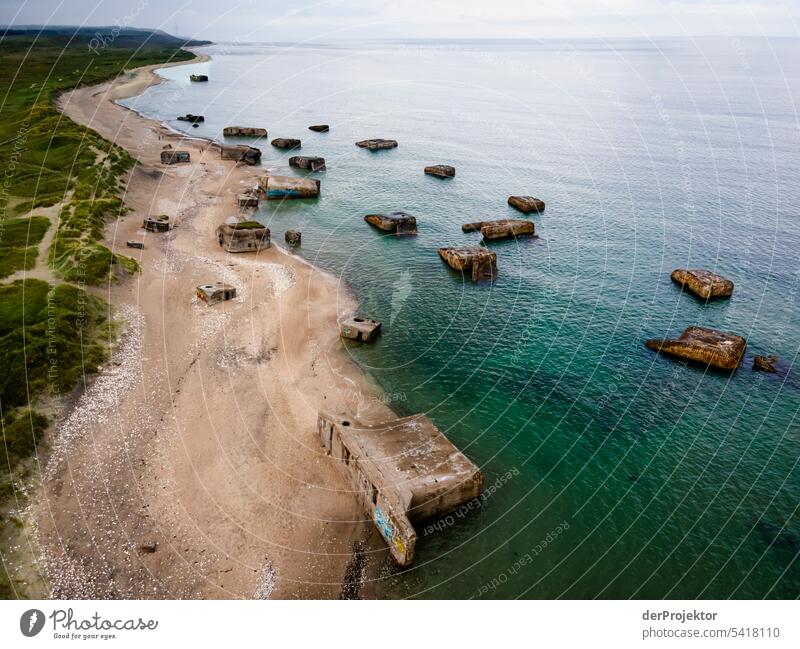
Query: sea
[(610, 471)]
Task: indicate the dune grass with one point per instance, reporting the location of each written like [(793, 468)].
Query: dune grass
[(19, 243)]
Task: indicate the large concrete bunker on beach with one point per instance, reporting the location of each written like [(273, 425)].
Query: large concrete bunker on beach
[(169, 157), (398, 222), (705, 346), (245, 236), (703, 283), (361, 329), (479, 262), (405, 471), (214, 293)]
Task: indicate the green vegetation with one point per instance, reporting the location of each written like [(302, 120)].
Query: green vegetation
[(19, 243), (51, 336), (247, 225)]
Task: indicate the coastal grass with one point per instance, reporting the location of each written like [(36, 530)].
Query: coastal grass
[(51, 336), (19, 243)]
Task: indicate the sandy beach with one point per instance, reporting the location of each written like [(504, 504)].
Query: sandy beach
[(199, 436)]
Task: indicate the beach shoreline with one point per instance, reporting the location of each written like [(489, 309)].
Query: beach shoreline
[(190, 467)]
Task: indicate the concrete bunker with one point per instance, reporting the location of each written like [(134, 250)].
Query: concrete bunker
[(479, 262), (286, 143), (240, 153), (194, 119), (501, 229), (174, 157), (361, 329), (526, 204), (198, 77), (158, 223), (441, 171), (278, 187), (245, 236), (719, 349), (214, 293), (404, 471), (319, 128), (246, 201), (293, 237), (377, 144), (398, 222), (703, 283), (244, 131), (312, 163)]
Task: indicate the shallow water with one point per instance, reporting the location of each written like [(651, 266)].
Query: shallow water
[(617, 473)]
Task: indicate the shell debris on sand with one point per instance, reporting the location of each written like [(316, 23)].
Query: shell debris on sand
[(266, 582)]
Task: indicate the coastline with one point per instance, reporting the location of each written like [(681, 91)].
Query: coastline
[(200, 434)]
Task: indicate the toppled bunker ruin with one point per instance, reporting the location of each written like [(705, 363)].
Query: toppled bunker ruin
[(361, 329), (705, 346), (526, 204), (286, 143), (319, 128), (158, 223), (479, 262), (398, 222), (377, 144), (244, 131), (240, 153), (198, 77), (405, 471), (441, 171), (278, 187), (244, 236), (703, 283), (312, 163), (501, 229)]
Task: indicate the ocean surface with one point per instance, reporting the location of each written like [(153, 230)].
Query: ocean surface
[(611, 471)]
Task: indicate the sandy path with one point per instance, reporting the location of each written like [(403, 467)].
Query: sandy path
[(200, 435)]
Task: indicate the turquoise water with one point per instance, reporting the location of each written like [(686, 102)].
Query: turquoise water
[(617, 473)]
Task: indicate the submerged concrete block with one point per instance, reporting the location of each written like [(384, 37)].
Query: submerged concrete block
[(526, 204), (502, 228), (442, 171), (285, 143), (706, 346), (377, 144), (703, 283), (244, 131), (198, 77), (479, 262), (319, 128), (293, 237), (307, 162), (397, 222), (240, 153), (194, 119)]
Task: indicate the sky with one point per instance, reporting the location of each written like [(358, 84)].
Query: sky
[(333, 20)]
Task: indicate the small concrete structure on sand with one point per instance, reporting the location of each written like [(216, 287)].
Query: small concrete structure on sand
[(194, 119), (442, 171), (174, 157), (361, 329), (244, 131), (404, 471), (703, 283), (158, 223), (398, 222), (293, 237), (214, 293), (377, 144), (285, 143), (246, 200), (502, 229), (765, 363), (135, 244), (307, 162), (479, 262), (705, 346), (526, 204), (240, 153), (244, 236), (278, 187), (319, 128), (198, 77)]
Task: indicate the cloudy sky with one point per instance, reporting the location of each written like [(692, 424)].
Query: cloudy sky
[(325, 20)]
